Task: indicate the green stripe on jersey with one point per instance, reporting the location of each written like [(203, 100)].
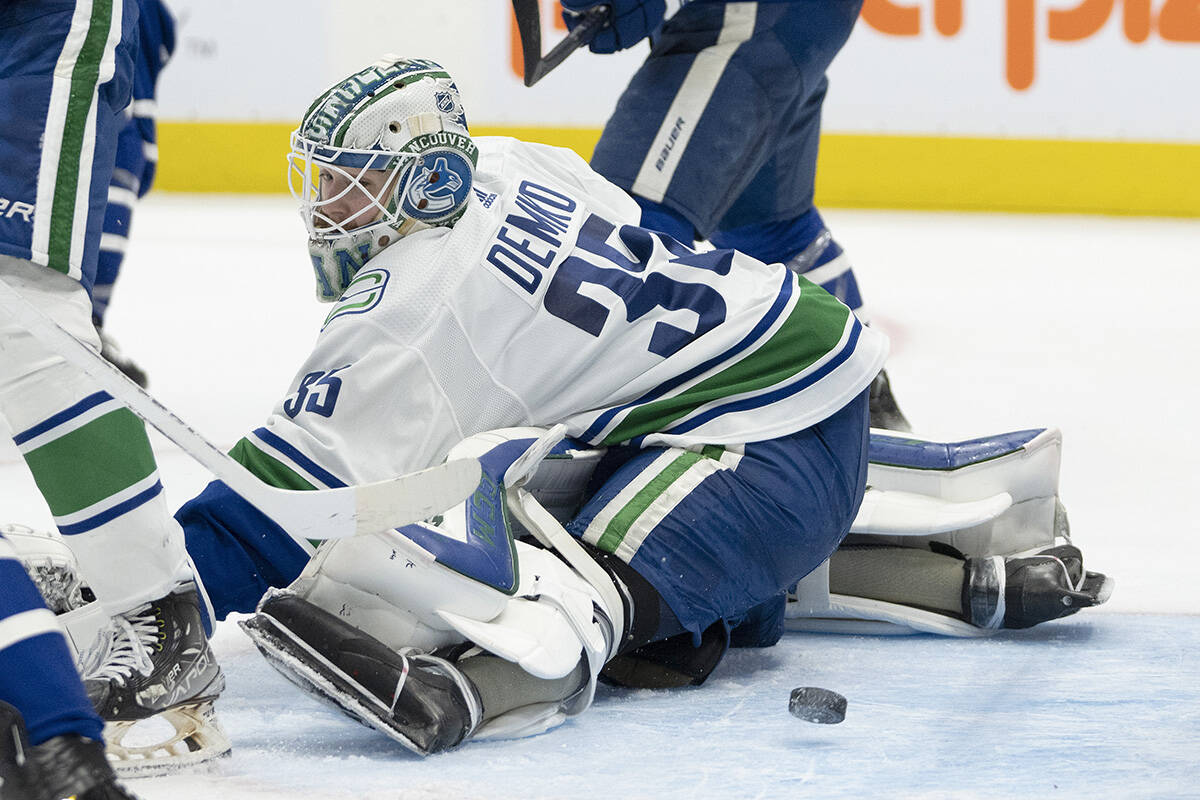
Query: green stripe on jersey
[(812, 329), (268, 469), (84, 77), (92, 462), (616, 529)]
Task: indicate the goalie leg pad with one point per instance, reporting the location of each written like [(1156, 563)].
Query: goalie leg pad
[(50, 563), (988, 496), (421, 701)]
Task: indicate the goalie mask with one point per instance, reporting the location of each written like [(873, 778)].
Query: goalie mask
[(383, 153)]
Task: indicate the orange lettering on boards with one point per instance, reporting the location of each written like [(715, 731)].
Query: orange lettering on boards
[(904, 19), (1175, 21)]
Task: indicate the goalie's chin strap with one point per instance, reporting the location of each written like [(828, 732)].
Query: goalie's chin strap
[(551, 534)]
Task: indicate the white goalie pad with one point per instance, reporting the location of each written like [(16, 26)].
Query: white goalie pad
[(443, 582), (992, 496), (54, 569)]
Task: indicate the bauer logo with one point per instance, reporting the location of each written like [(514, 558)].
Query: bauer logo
[(15, 209), (361, 295)]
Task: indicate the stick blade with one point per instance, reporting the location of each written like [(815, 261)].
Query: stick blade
[(372, 507), (416, 496)]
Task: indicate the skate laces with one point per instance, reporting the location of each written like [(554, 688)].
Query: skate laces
[(131, 639)]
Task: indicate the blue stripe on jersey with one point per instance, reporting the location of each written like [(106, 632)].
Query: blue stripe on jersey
[(301, 460), (89, 402), (773, 396), (756, 333), (139, 499)]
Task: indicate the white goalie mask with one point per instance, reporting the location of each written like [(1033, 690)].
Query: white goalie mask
[(383, 153)]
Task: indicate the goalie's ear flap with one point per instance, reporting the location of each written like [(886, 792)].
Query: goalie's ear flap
[(437, 187)]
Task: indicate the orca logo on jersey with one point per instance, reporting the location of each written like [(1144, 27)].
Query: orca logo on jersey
[(545, 216)]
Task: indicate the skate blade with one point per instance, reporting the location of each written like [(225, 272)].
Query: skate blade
[(197, 739), (314, 675)]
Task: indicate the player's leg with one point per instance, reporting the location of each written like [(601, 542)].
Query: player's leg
[(774, 219), (758, 69), (124, 189), (92, 460), (89, 456), (133, 175), (50, 736), (721, 534)]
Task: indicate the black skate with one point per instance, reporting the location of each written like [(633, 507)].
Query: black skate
[(112, 353), (885, 413), (65, 766), (156, 662), (423, 702), (1026, 589)]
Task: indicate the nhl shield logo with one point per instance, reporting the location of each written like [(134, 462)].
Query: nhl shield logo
[(448, 103)]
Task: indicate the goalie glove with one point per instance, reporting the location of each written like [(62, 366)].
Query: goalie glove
[(630, 21), (1022, 590)]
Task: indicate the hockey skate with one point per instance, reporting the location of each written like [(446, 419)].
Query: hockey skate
[(885, 413), (155, 663), (113, 354), (65, 766), (422, 701), (1025, 589)]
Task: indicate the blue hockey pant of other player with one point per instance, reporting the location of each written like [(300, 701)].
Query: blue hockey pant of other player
[(721, 123), (65, 78)]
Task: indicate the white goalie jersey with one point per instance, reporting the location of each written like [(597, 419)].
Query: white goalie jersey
[(545, 303)]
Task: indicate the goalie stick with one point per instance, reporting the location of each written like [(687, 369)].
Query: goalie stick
[(304, 515), (529, 27)]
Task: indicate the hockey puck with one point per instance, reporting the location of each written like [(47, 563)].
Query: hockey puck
[(812, 704)]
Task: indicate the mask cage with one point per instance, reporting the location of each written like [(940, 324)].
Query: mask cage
[(347, 168)]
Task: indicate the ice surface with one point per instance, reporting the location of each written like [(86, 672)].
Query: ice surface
[(1106, 705), (998, 322)]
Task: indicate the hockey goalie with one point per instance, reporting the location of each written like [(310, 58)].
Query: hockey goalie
[(671, 439), (493, 621)]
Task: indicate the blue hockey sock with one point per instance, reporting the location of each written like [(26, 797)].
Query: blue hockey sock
[(805, 245), (657, 217)]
